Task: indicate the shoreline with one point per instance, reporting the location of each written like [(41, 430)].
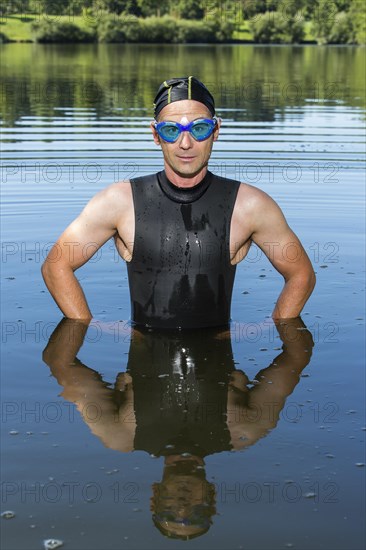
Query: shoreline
[(226, 43), (80, 29)]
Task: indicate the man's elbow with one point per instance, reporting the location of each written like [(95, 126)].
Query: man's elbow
[(48, 272), (311, 280), (305, 283), (45, 271), (53, 272)]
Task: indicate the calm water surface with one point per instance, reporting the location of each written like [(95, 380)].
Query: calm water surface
[(272, 437)]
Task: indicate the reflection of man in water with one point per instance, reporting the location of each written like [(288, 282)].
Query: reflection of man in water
[(181, 398)]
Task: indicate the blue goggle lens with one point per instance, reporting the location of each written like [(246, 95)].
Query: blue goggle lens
[(199, 129)]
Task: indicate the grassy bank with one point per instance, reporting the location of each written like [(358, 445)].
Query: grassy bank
[(17, 28)]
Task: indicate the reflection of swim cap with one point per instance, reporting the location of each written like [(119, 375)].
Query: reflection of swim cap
[(194, 524), (187, 87)]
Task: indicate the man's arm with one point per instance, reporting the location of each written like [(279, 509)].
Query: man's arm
[(115, 423), (78, 243), (284, 250), (253, 412), (271, 233)]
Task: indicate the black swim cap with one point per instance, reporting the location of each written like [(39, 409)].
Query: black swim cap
[(187, 87)]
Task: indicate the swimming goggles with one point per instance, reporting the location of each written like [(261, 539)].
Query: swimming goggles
[(199, 129)]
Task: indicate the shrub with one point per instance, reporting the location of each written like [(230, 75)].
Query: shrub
[(59, 32), (343, 31), (224, 31), (3, 38), (267, 28), (273, 27), (357, 13), (322, 20), (110, 29), (201, 32), (159, 29), (128, 28), (183, 31), (294, 31), (132, 29), (194, 32)]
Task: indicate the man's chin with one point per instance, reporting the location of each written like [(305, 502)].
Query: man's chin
[(188, 172)]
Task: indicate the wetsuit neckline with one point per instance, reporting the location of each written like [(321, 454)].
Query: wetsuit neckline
[(181, 194)]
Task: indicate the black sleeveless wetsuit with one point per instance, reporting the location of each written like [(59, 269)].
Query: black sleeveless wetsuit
[(180, 274)]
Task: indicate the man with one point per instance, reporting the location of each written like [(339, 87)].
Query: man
[(181, 231)]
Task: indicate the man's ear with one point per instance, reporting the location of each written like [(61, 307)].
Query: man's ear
[(217, 129), (154, 133)]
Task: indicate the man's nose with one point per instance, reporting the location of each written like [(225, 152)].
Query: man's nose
[(186, 140)]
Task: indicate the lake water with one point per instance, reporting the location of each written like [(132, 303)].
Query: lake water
[(227, 440)]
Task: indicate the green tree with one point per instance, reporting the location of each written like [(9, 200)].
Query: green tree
[(273, 27), (294, 14), (76, 7), (14, 7), (343, 31), (117, 6), (343, 5), (154, 7), (291, 8), (357, 14), (49, 7), (332, 26), (190, 9), (252, 7), (323, 19)]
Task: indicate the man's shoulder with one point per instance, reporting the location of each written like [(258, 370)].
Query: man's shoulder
[(113, 198), (253, 195), (245, 190), (117, 190), (253, 203)]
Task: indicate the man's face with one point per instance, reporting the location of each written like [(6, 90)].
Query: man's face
[(185, 158)]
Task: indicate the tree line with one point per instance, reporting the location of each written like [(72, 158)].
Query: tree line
[(268, 21)]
